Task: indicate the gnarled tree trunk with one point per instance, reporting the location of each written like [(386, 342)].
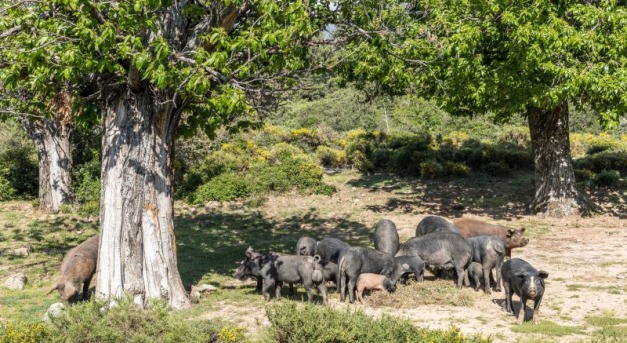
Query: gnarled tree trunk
[(137, 248), (556, 192), (52, 139)]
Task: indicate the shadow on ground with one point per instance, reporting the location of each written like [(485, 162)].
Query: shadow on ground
[(215, 241)]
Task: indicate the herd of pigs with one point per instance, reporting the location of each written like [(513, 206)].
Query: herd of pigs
[(469, 247)]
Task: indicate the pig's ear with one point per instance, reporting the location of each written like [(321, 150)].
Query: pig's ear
[(543, 274), (510, 232)]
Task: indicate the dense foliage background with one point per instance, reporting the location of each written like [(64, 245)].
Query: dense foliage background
[(326, 129)]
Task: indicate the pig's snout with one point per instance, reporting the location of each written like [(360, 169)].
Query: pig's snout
[(525, 241), (532, 292)]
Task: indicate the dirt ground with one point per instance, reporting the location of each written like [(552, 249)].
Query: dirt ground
[(586, 259)]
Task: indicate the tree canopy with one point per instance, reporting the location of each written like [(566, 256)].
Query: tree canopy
[(494, 56)]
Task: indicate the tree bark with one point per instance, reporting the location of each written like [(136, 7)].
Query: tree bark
[(556, 192), (52, 139), (137, 247)]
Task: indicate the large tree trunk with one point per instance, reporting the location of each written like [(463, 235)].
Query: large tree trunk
[(137, 248), (556, 192), (52, 139)]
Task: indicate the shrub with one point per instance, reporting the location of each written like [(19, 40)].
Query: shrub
[(224, 187), (6, 190), (457, 169), (606, 178), (498, 169), (86, 186), (292, 323), (330, 157), (307, 139), (584, 174), (20, 332), (21, 170), (517, 135), (128, 323), (455, 139), (432, 169)]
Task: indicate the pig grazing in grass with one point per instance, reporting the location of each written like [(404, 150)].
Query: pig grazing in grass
[(369, 281), (77, 269), (275, 269), (385, 237), (440, 250), (359, 260), (412, 265), (524, 280)]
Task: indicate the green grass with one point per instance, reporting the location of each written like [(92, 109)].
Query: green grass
[(611, 328), (548, 328)]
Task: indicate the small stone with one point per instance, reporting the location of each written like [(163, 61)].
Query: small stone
[(53, 311), (25, 251), (16, 281)]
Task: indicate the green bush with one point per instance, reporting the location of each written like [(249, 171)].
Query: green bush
[(128, 323), (457, 169), (20, 170), (498, 169), (293, 323), (584, 174), (87, 186), (224, 187), (330, 157), (432, 169), (6, 190), (606, 178), (20, 332)]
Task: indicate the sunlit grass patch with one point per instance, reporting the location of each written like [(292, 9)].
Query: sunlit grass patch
[(548, 328), (612, 328)]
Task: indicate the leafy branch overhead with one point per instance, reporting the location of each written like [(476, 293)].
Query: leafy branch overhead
[(496, 56), (230, 58)]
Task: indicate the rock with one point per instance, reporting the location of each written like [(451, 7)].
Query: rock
[(53, 311), (25, 251), (197, 291), (16, 281)]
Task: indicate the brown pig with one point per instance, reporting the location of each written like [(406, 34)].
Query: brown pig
[(373, 281), (511, 238), (77, 269)]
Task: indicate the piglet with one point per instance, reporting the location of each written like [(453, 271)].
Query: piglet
[(374, 282)]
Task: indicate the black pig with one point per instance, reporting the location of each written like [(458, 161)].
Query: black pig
[(359, 260), (385, 237), (440, 250), (276, 269), (431, 224), (330, 249), (522, 278), (490, 252)]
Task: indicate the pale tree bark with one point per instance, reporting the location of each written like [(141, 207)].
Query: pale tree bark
[(52, 139), (556, 191), (137, 253)]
